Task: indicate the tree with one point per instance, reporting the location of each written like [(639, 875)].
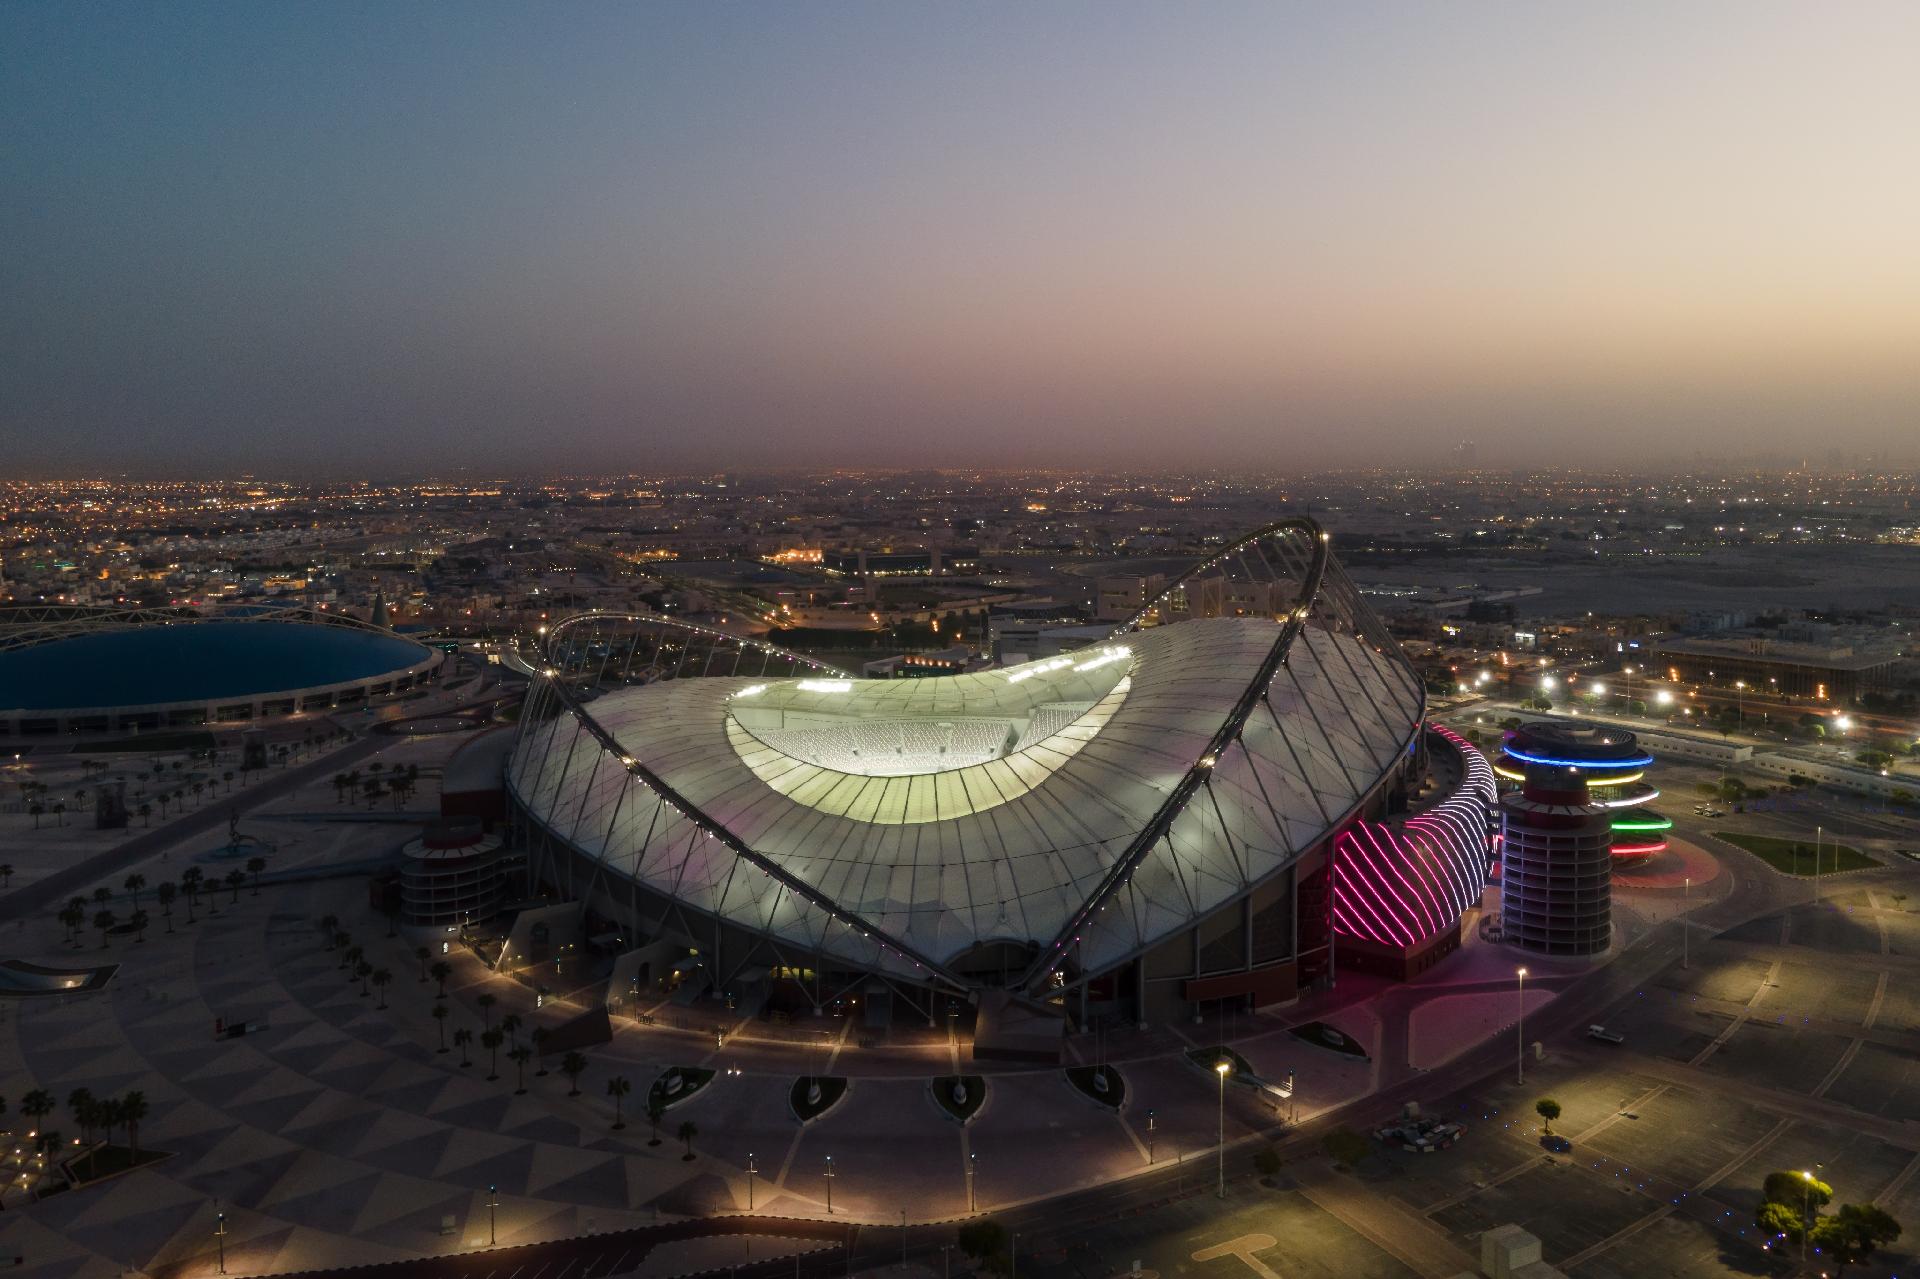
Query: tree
[(340, 785), (234, 880), (461, 1038), (37, 1105), (983, 1240), (190, 880), (146, 814), (131, 1109), (491, 1039), (103, 920), (656, 1111), (1790, 1202), (510, 1026), (1345, 1146), (1778, 1221), (133, 884), (422, 954), (617, 1088), (687, 1132), (254, 866), (1548, 1109), (327, 925), (573, 1065), (381, 978), (74, 916), (1854, 1232), (485, 1003), (80, 1102), (165, 892), (364, 971), (539, 1036), (350, 957), (440, 1016), (441, 970), (138, 922), (520, 1056), (1266, 1161)]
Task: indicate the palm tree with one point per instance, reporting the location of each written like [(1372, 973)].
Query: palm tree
[(350, 957), (227, 777), (422, 954), (486, 1003), (74, 916), (510, 1024), (381, 977), (234, 880), (80, 1102), (146, 814), (656, 1111), (6, 874), (461, 1038), (364, 971), (491, 1039), (37, 1105), (340, 785), (440, 1016), (102, 894), (573, 1065), (371, 789), (328, 923), (133, 884), (132, 1108), (138, 922), (103, 920), (165, 893), (190, 884), (520, 1056), (539, 1036), (618, 1088), (688, 1131), (440, 971), (254, 866)]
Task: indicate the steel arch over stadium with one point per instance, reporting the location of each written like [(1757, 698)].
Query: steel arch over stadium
[(1174, 790)]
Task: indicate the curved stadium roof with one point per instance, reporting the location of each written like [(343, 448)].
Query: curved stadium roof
[(1108, 799)]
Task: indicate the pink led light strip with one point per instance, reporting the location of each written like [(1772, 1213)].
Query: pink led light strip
[(1398, 885)]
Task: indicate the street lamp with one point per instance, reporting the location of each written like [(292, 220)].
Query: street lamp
[(829, 1185), (973, 1166), (220, 1237), (1520, 1031), (1149, 1136), (1223, 1068), (493, 1207), (1686, 913), (1806, 1214), (750, 1171)]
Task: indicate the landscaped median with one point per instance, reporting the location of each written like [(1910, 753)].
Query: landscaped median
[(959, 1097), (1101, 1085), (1799, 856), (677, 1084), (812, 1096)]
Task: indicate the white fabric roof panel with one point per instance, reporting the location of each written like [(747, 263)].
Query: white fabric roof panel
[(1008, 848)]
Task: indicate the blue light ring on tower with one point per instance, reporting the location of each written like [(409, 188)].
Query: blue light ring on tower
[(1528, 757)]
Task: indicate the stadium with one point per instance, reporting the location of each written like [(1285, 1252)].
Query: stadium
[(1146, 829), (98, 671)]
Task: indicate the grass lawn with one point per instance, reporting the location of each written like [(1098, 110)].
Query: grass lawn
[(1796, 857)]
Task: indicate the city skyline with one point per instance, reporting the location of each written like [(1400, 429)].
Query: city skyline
[(347, 240)]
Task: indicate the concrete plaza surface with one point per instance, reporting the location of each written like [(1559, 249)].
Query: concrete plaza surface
[(339, 1135)]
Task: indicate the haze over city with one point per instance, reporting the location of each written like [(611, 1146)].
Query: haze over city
[(360, 239)]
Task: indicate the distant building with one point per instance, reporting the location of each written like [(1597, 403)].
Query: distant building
[(1835, 671)]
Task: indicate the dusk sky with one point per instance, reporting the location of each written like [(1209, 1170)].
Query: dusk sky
[(375, 239)]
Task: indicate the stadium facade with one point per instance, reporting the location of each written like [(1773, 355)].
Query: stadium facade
[(1148, 828), (107, 671)]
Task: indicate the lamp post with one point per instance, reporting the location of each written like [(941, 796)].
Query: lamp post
[(1818, 831), (1223, 1068), (973, 1167), (1686, 914), (1520, 1031), (750, 1171), (1149, 1136), (220, 1238), (829, 1185), (493, 1206), (1806, 1214)]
